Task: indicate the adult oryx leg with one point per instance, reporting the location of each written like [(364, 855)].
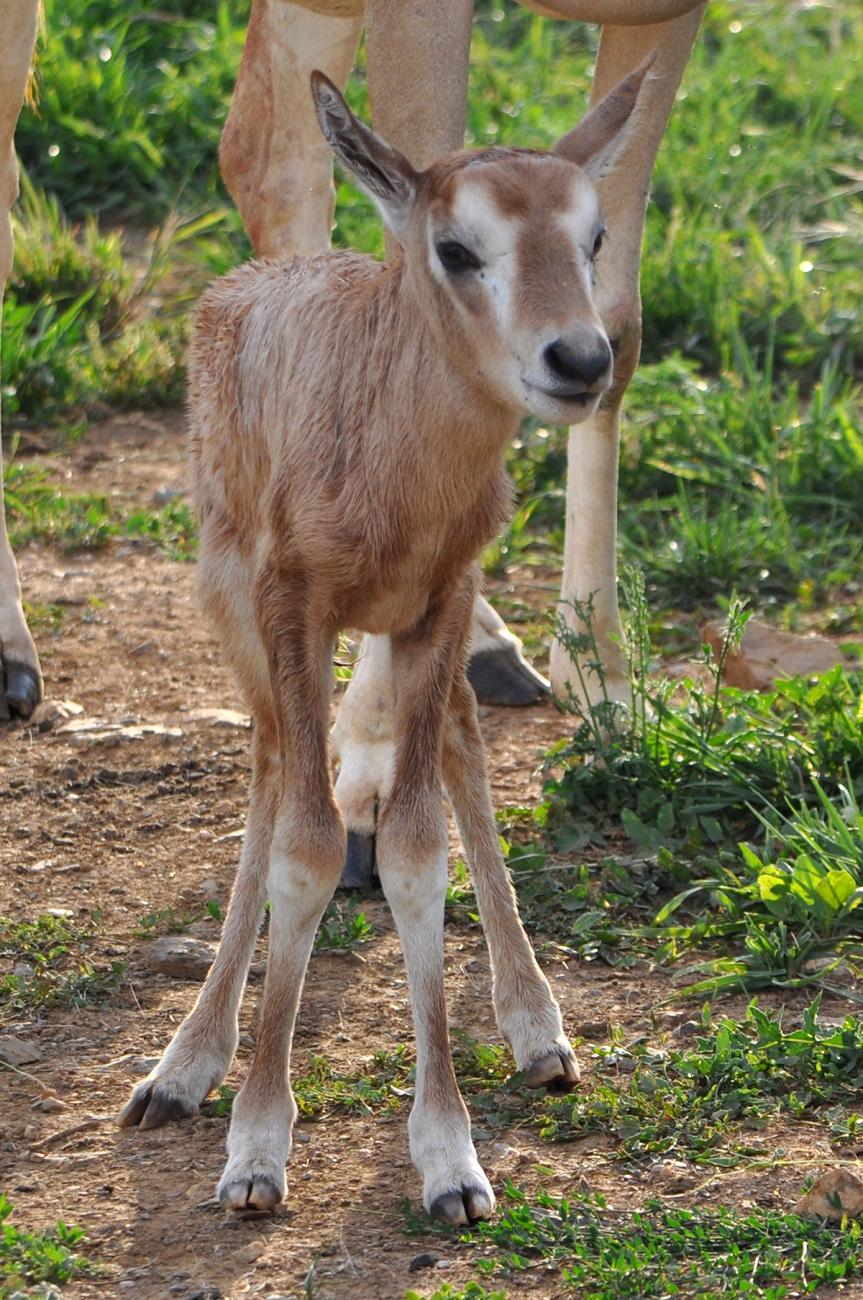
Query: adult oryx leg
[(20, 677), (591, 505), (426, 47), (274, 160)]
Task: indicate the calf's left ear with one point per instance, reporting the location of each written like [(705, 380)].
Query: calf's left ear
[(381, 171), (597, 140)]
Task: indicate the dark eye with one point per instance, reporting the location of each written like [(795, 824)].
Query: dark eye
[(455, 257), (597, 243)]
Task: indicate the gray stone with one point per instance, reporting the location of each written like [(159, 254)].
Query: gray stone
[(14, 1051), (181, 956)]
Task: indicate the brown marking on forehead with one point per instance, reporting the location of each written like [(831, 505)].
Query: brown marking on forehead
[(442, 178)]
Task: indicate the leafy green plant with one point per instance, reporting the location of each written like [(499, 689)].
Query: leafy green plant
[(688, 1102), (53, 967), (605, 1254), (795, 906), (320, 1090), (38, 1257), (343, 927)]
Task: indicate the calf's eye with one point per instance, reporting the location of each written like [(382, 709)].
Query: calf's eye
[(455, 258), (597, 243)]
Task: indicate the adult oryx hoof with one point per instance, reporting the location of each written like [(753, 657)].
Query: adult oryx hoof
[(503, 676), (360, 869), (557, 1071), (20, 690)]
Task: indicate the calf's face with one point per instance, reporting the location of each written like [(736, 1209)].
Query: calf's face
[(507, 242), (502, 246)]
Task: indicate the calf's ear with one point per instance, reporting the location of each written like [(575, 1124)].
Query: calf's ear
[(597, 140), (381, 171)]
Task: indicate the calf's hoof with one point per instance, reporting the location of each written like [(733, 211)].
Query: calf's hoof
[(463, 1205), (503, 676), (150, 1106), (557, 1071), (258, 1194)]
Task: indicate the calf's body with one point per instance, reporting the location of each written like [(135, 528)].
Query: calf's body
[(347, 428)]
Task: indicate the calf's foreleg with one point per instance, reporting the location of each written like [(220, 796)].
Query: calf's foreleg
[(306, 856), (412, 861)]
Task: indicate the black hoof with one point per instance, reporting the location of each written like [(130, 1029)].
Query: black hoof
[(20, 691), (558, 1071), (466, 1205), (246, 1198), (150, 1107), (360, 870), (504, 677)]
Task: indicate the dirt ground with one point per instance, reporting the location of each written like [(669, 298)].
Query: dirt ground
[(116, 826)]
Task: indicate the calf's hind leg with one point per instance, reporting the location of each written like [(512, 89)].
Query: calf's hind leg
[(200, 1053), (526, 1011)]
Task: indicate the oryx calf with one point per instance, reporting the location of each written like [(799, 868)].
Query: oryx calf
[(348, 427)]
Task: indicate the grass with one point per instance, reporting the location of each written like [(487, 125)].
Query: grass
[(71, 521), (38, 1258), (691, 1103), (320, 1090), (599, 1253), (53, 967), (741, 810)]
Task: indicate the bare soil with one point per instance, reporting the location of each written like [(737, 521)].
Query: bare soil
[(122, 826)]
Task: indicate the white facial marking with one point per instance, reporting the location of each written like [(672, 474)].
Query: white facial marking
[(581, 221), (478, 223)]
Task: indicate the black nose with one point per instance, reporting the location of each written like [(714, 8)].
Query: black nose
[(576, 370)]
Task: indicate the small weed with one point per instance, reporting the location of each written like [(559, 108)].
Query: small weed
[(342, 929), (52, 966), (473, 1291), (38, 1257), (605, 1254), (689, 773), (655, 1103), (165, 921), (320, 1090), (72, 521)]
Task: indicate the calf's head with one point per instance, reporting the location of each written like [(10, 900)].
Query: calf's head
[(501, 246)]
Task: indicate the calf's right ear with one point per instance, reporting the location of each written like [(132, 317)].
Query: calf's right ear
[(381, 171)]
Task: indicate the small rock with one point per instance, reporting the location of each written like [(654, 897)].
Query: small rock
[(419, 1262), (209, 888), (181, 957), (766, 653), (688, 1029), (837, 1194), (592, 1029), (14, 1051), (49, 1105), (163, 496), (143, 648), (220, 718), (250, 1252), (53, 713), (205, 1293), (22, 970)]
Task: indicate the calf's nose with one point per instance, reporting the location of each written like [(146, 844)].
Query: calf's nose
[(577, 370)]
